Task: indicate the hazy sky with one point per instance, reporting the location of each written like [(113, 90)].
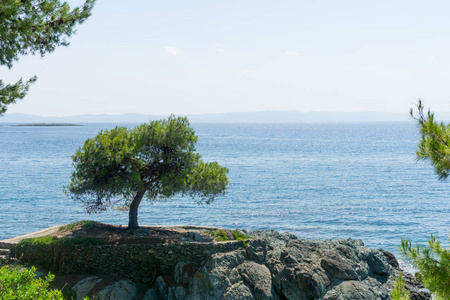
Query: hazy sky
[(192, 57)]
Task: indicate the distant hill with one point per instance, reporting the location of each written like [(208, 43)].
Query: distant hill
[(245, 117)]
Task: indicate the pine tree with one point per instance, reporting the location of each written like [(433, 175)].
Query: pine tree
[(433, 263), (432, 260), (121, 167), (33, 27)]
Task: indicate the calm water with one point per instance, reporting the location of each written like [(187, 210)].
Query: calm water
[(315, 180)]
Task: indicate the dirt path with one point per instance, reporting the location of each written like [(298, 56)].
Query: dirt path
[(120, 234)]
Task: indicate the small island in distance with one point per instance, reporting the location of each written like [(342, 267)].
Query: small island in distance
[(49, 124)]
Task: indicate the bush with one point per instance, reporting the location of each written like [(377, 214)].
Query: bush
[(222, 235), (84, 224), (67, 242), (433, 262), (239, 236), (21, 284), (399, 292)]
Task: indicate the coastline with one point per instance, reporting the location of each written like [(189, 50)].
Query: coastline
[(49, 124), (190, 261)]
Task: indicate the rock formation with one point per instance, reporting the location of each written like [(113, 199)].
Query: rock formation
[(278, 266)]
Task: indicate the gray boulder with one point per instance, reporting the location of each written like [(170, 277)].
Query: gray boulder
[(267, 245), (369, 289), (120, 290), (378, 260), (238, 291), (258, 278), (341, 267), (151, 294), (214, 278), (304, 281), (84, 287), (176, 293)]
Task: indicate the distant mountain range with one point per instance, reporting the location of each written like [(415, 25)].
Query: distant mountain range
[(245, 117)]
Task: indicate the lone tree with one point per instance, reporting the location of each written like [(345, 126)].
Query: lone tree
[(119, 167), (30, 27), (432, 260)]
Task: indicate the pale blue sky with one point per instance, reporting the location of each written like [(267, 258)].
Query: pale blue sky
[(193, 57)]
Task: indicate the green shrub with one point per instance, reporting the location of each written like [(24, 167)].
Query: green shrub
[(399, 292), (84, 224), (221, 235), (44, 240), (21, 284), (433, 263), (239, 236), (67, 242)]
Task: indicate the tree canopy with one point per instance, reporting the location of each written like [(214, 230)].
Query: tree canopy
[(119, 167), (30, 27)]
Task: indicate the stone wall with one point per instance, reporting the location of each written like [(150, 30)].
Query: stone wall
[(140, 263)]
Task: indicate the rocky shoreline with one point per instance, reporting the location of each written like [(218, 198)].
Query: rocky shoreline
[(280, 266), (271, 265)]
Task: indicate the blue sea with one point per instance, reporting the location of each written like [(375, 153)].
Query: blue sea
[(316, 180)]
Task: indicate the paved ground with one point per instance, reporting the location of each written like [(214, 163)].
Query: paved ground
[(43, 232)]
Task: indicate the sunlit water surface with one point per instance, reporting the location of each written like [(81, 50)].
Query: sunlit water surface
[(323, 181)]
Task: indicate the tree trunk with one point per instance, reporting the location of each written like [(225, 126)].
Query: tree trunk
[(133, 214)]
